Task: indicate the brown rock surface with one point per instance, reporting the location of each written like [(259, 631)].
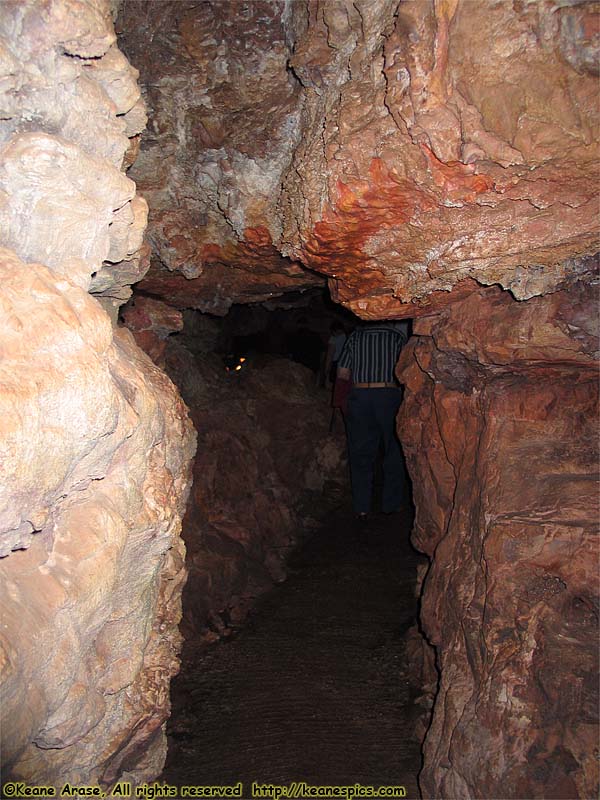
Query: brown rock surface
[(225, 113), (431, 148), (499, 428), (267, 469), (95, 442), (442, 141), (410, 152), (398, 148), (152, 322)]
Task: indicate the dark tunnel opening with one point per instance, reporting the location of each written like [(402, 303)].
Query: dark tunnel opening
[(304, 328), (297, 326)]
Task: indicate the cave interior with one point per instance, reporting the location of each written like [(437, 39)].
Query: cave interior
[(192, 192)]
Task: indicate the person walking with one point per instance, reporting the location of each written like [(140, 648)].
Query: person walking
[(369, 359)]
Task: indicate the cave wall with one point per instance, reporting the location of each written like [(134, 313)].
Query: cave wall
[(224, 113), (412, 153), (268, 468), (442, 141), (96, 442), (499, 427), (432, 148), (450, 146), (400, 149)]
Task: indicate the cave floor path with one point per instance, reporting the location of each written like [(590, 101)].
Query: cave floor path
[(315, 686)]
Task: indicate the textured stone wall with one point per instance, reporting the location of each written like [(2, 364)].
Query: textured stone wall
[(400, 149), (268, 467), (413, 153), (224, 113), (499, 427), (442, 141), (95, 441), (267, 472), (449, 145)]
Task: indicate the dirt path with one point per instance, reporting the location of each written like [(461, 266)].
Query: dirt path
[(314, 688)]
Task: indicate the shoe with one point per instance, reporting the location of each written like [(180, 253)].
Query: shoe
[(362, 518)]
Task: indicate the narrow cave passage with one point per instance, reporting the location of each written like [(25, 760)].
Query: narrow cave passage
[(427, 160), (315, 687), (304, 678)]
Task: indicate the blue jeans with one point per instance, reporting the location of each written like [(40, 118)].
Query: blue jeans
[(370, 421)]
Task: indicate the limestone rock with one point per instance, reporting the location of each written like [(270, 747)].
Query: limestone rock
[(430, 148), (152, 322), (397, 149), (225, 112), (267, 466), (50, 189), (96, 447), (95, 441), (499, 429), (442, 141), (70, 102)]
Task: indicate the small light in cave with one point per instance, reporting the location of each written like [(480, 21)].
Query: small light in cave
[(234, 363)]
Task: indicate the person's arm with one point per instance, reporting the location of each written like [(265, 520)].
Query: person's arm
[(343, 384), (344, 369)]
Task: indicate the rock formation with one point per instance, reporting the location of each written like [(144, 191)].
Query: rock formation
[(434, 159), (224, 124), (451, 145), (431, 149), (96, 443), (442, 141), (421, 144), (499, 429), (267, 465)]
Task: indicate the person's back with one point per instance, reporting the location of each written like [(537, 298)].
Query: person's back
[(369, 358), (371, 353)]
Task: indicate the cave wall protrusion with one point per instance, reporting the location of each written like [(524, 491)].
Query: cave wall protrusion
[(71, 106), (499, 429), (96, 443), (442, 141), (400, 149), (225, 120)]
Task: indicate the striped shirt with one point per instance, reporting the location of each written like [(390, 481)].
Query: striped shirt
[(371, 353)]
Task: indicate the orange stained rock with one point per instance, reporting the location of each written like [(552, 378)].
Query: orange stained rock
[(258, 237), (458, 180), (363, 207), (256, 242), (385, 200), (211, 252)]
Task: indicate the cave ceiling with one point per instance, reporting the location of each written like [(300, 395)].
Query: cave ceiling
[(401, 151)]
